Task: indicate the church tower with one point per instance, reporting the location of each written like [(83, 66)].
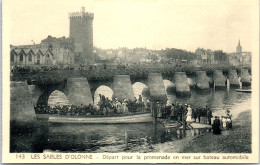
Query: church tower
[(81, 32), (239, 48)]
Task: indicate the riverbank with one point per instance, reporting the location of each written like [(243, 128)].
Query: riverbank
[(236, 140)]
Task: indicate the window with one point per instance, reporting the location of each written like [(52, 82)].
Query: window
[(21, 56), (12, 56), (48, 56), (38, 59), (30, 56), (50, 46)]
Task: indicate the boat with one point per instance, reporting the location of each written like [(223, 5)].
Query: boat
[(141, 117), (244, 90)]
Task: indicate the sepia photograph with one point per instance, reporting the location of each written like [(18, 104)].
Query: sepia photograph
[(98, 81)]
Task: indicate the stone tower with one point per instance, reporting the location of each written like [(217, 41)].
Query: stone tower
[(239, 48), (81, 32)]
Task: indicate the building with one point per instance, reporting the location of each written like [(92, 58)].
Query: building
[(239, 57), (81, 32), (76, 49), (205, 56), (30, 56), (62, 48)]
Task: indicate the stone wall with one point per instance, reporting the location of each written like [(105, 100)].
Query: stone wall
[(122, 87), (245, 77), (181, 83), (233, 78), (156, 86), (79, 91), (169, 86), (81, 31), (202, 80), (21, 104), (219, 79)]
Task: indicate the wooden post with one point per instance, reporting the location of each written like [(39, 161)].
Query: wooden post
[(126, 140), (154, 109), (183, 120)]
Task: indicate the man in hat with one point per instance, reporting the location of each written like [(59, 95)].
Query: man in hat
[(209, 115)]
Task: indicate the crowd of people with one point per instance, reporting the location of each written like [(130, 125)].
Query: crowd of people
[(122, 106), (104, 107), (179, 112), (222, 124), (65, 109)]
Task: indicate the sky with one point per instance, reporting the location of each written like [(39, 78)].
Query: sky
[(154, 24)]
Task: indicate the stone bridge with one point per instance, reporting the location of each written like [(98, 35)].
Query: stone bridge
[(84, 87)]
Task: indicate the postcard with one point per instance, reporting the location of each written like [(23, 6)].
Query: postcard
[(130, 81)]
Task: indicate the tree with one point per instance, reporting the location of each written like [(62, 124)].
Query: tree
[(220, 56)]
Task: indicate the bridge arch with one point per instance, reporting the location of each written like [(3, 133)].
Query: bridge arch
[(140, 89), (58, 98), (169, 86), (43, 93), (103, 90)]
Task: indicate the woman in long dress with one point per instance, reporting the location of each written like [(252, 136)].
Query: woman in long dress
[(224, 123), (125, 108), (189, 113)]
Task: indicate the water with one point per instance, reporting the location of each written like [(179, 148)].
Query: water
[(111, 138)]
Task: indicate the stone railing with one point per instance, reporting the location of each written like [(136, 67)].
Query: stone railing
[(101, 73)]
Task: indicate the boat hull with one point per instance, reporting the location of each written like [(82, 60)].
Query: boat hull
[(124, 119), (244, 90)]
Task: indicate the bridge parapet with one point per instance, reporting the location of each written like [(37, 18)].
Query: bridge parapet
[(57, 76)]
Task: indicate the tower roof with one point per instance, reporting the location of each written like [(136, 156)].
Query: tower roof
[(82, 13)]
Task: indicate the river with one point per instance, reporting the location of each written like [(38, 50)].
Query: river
[(111, 138)]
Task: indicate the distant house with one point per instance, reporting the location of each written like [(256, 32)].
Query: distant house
[(27, 56), (205, 56), (47, 57)]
